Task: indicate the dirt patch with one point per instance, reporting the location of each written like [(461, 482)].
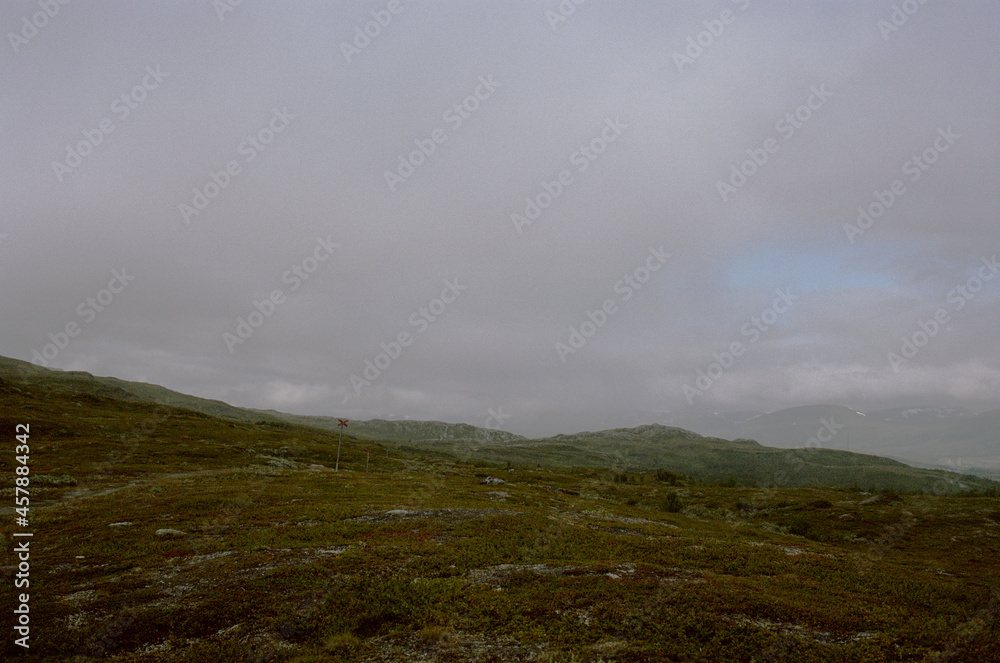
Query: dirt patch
[(813, 635), (447, 515)]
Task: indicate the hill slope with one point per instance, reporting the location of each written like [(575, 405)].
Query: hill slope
[(644, 448), (163, 534), (941, 436)]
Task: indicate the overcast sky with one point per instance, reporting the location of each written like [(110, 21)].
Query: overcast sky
[(559, 191)]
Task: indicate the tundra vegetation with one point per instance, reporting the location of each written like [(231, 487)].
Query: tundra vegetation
[(166, 534)]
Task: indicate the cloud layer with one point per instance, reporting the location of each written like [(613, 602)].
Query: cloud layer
[(399, 208)]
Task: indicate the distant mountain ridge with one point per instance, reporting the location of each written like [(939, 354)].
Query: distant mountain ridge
[(646, 447), (920, 415), (948, 437), (406, 429)]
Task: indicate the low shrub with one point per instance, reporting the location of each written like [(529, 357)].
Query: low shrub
[(672, 503)]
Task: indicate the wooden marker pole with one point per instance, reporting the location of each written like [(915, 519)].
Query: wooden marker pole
[(342, 425)]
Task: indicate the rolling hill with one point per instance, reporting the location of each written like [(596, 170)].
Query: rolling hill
[(643, 448), (943, 437), (165, 534)]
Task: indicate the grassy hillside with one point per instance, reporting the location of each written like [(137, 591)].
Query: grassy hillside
[(273, 557), (83, 383), (408, 430), (644, 448), (747, 462), (163, 534), (743, 462)]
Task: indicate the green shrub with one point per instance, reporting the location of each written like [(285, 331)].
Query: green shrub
[(667, 477), (801, 527), (672, 503), (888, 496)]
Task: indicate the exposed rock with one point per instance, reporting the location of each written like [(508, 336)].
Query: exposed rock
[(492, 481), (169, 532), (445, 515), (399, 513)]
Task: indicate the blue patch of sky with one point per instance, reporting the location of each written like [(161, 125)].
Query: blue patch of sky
[(809, 268)]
